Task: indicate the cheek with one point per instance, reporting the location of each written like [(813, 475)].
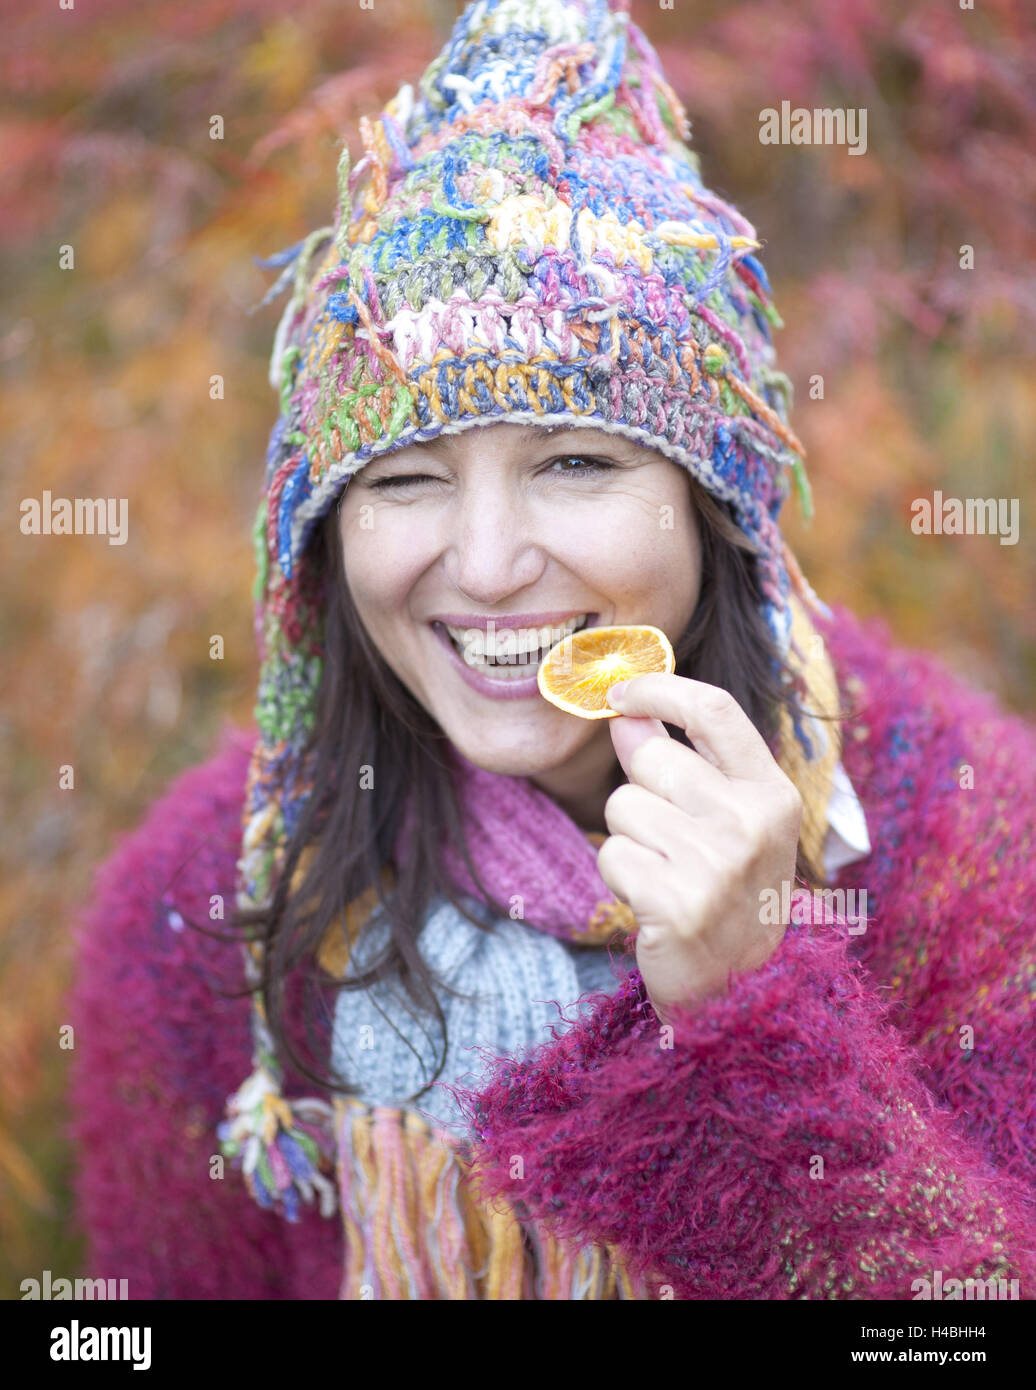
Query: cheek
[(639, 546), (384, 558), (381, 561)]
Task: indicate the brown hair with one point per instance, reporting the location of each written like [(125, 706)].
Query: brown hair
[(367, 717)]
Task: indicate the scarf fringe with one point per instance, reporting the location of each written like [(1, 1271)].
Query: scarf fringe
[(415, 1230)]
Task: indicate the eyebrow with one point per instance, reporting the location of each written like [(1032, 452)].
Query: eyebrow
[(445, 445), (441, 441), (532, 435)]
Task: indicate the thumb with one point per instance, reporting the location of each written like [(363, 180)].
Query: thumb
[(629, 732)]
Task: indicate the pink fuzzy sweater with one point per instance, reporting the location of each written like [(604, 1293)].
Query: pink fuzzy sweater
[(853, 1049)]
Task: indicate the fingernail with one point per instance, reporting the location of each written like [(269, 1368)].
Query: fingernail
[(615, 692)]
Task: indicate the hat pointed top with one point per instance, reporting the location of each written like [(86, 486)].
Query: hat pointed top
[(502, 49)]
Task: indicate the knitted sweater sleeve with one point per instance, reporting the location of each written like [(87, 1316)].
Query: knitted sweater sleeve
[(158, 1050), (828, 1128)]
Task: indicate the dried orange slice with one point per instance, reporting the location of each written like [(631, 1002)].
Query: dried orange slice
[(577, 671)]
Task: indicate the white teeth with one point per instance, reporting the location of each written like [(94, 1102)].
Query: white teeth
[(510, 651)]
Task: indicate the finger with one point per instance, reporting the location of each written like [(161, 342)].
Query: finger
[(629, 734), (710, 717), (678, 774), (647, 820), (636, 874)]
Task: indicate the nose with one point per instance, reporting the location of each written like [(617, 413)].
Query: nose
[(491, 549)]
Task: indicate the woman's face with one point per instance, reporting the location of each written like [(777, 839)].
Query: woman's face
[(529, 528)]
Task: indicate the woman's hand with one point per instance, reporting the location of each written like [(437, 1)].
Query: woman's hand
[(696, 837)]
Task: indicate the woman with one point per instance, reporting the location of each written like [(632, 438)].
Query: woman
[(724, 997)]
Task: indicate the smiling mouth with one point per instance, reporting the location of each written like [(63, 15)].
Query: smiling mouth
[(509, 653)]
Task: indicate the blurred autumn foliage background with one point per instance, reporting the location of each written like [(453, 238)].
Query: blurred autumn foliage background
[(105, 145)]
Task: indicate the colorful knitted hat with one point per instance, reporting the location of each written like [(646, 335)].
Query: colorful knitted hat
[(527, 237)]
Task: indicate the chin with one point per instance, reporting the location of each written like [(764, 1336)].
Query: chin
[(537, 753)]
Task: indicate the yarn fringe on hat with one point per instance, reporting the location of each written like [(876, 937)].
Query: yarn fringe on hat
[(526, 237)]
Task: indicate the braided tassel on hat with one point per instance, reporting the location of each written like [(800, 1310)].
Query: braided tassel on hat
[(285, 1149)]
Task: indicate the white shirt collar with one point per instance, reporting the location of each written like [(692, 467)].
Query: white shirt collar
[(847, 839)]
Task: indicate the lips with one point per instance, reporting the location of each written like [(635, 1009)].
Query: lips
[(497, 646), (512, 620), (515, 675)]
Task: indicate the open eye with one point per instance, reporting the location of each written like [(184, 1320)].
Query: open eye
[(591, 465)]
